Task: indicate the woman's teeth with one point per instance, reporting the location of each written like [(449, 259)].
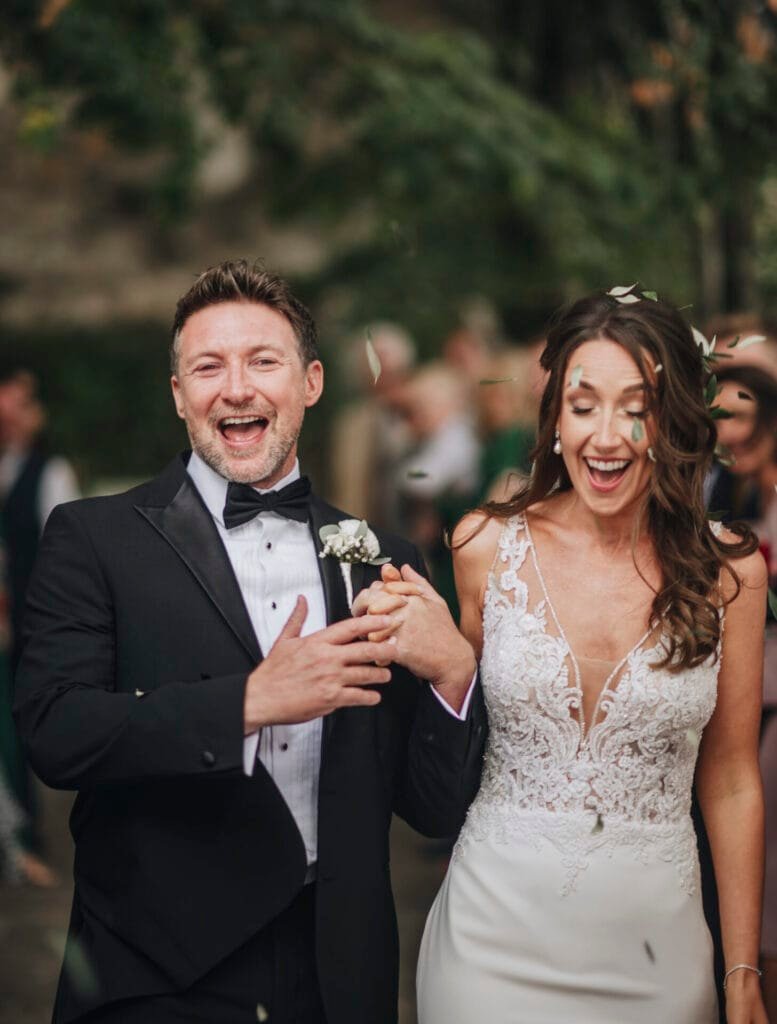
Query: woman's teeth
[(607, 473)]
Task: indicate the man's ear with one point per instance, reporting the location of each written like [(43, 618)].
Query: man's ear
[(314, 382), (177, 398)]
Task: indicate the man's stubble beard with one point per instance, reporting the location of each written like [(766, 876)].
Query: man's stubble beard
[(272, 459)]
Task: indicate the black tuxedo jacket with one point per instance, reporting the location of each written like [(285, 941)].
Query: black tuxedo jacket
[(130, 690)]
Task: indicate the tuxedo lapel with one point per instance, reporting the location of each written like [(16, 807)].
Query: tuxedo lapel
[(332, 581), (188, 527)]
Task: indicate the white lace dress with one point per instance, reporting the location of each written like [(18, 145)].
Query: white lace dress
[(573, 893)]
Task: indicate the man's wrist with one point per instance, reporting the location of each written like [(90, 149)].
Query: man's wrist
[(456, 678)]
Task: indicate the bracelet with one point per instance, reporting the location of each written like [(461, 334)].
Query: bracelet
[(740, 967)]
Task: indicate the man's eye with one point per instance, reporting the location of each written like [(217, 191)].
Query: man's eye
[(205, 368)]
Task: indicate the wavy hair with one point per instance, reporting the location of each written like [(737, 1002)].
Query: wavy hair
[(683, 437)]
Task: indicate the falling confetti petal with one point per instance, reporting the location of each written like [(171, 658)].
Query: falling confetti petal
[(577, 373), (416, 474), (651, 454), (372, 358), (650, 295), (598, 825), (659, 367), (619, 290), (752, 339), (261, 1013), (497, 380), (693, 738), (627, 299), (650, 954), (637, 431)]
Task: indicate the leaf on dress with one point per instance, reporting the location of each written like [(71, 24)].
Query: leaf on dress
[(650, 954), (598, 825)]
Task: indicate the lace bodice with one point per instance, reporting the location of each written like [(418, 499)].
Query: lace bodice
[(624, 777)]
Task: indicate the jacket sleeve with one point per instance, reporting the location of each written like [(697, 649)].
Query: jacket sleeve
[(443, 756), (77, 730)]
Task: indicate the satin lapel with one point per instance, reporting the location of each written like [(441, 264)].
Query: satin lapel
[(335, 595), (188, 527)]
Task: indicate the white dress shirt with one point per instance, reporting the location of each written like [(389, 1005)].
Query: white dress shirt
[(275, 560)]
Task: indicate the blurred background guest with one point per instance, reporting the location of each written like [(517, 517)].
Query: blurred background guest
[(745, 490), (370, 435), (507, 414), (441, 471), (32, 483)]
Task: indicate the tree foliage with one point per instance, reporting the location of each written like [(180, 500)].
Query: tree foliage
[(521, 151)]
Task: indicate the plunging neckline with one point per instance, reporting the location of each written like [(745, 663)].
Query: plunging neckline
[(607, 686)]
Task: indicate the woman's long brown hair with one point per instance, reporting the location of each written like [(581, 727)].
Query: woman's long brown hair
[(682, 434)]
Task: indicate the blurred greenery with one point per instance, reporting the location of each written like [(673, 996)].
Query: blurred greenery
[(521, 151)]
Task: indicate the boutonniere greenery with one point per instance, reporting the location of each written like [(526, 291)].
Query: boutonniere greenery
[(349, 541)]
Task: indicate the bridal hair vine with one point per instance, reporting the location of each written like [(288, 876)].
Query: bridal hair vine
[(628, 294), (349, 541)]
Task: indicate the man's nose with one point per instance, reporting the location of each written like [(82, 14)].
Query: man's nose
[(237, 386)]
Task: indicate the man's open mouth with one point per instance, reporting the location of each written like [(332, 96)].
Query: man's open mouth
[(243, 430), (606, 474)]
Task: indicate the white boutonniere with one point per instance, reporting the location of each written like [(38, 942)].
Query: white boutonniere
[(349, 541)]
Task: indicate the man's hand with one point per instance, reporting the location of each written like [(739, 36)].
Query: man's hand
[(428, 642), (305, 678)]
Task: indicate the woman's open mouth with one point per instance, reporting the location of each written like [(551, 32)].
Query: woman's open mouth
[(241, 431), (606, 474)]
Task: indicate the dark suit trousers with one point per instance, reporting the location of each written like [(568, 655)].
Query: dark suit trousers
[(276, 971)]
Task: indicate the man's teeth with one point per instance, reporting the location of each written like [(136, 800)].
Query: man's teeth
[(237, 420), (608, 467)]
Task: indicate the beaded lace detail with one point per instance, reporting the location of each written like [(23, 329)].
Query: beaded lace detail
[(626, 779)]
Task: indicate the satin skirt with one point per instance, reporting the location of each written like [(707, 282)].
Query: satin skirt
[(502, 946)]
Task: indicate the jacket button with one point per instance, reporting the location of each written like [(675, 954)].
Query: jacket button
[(208, 758)]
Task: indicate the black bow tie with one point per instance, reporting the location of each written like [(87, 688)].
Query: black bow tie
[(244, 503)]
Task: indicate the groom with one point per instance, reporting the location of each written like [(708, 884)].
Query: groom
[(192, 669)]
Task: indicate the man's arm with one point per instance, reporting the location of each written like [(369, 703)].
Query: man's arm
[(80, 732), (443, 738), (77, 730)]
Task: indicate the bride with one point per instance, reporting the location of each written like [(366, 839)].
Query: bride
[(620, 640)]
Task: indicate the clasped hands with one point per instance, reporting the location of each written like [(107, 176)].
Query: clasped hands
[(426, 639), (400, 618)]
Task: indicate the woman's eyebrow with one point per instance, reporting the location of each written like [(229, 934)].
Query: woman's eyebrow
[(632, 389)]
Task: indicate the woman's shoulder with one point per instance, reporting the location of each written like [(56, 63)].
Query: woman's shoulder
[(475, 538)]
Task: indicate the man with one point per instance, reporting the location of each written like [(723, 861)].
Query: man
[(237, 759)]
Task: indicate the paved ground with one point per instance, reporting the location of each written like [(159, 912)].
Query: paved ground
[(33, 922)]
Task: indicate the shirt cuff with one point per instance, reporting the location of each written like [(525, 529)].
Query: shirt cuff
[(250, 745), (461, 715)]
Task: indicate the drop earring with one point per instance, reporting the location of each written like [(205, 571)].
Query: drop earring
[(557, 444)]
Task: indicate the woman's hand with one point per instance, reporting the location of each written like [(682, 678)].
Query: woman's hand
[(744, 1003)]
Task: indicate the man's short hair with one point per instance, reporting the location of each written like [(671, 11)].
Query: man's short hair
[(241, 281)]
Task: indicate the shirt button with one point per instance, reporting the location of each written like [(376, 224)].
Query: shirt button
[(284, 746), (208, 758)]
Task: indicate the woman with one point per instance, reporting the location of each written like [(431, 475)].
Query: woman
[(747, 491), (596, 599)]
